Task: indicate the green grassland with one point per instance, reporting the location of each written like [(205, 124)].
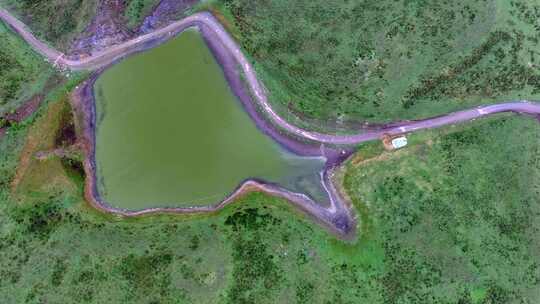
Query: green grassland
[(456, 213), (453, 218), (381, 61), (23, 73), (56, 21)]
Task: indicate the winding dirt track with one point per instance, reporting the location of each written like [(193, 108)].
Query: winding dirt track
[(108, 56), (337, 217)]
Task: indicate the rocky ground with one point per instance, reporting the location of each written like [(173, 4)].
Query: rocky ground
[(164, 13), (108, 27)]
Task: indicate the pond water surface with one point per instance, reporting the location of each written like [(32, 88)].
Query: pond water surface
[(170, 133)]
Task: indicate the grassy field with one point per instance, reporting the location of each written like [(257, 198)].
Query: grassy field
[(453, 218), (456, 213), (23, 73), (388, 60), (55, 21)]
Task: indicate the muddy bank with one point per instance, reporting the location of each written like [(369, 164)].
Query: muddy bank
[(337, 218), (82, 102)]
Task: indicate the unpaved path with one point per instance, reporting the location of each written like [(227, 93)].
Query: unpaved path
[(113, 53)]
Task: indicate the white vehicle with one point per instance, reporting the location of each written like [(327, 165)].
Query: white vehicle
[(399, 142)]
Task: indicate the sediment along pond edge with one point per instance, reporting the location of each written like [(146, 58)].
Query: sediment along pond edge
[(338, 218)]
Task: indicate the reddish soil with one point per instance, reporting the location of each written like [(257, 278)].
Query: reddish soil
[(29, 107), (20, 114), (25, 110)]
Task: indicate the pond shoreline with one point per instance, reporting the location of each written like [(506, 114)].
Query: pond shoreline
[(337, 219)]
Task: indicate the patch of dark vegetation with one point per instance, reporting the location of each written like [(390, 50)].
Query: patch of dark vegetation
[(59, 270), (407, 274), (66, 135), (497, 295), (147, 273), (65, 138), (74, 168), (346, 276), (40, 219), (395, 191), (136, 9), (83, 284), (36, 293), (304, 292), (10, 75), (453, 143), (5, 123), (9, 277), (256, 274), (527, 12), (250, 219), (194, 242)]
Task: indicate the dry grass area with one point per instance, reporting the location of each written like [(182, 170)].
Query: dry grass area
[(35, 178)]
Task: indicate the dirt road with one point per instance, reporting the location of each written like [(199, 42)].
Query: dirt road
[(113, 53)]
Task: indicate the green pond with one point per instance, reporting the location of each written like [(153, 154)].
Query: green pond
[(170, 133)]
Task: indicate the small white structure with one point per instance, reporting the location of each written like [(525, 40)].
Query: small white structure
[(399, 142)]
